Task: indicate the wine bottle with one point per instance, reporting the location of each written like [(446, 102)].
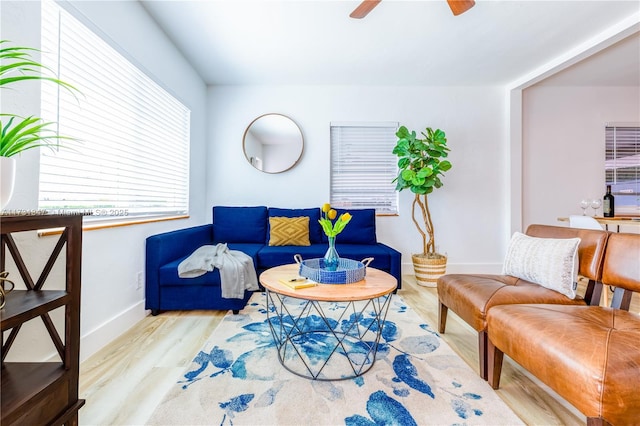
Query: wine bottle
[(608, 205)]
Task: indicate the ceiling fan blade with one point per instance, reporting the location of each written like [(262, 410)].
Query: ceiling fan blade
[(364, 8), (460, 6)]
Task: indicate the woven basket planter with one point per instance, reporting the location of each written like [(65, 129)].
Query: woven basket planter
[(428, 270)]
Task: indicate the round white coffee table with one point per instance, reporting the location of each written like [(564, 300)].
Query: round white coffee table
[(329, 331)]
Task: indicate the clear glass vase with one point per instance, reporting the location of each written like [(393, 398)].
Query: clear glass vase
[(331, 258)]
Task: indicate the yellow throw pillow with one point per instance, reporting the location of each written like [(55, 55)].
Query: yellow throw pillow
[(289, 231)]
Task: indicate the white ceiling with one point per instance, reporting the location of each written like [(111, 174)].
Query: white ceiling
[(617, 65), (399, 43)]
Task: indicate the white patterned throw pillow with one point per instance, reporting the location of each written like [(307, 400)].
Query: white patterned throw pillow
[(549, 262)]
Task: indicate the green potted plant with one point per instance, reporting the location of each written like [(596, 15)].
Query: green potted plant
[(18, 134), (421, 163)]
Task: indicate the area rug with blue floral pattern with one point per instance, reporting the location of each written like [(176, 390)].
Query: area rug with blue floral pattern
[(416, 379)]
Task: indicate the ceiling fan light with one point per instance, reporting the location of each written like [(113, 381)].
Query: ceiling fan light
[(460, 6), (364, 8)]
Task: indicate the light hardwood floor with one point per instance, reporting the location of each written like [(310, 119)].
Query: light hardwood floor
[(123, 382)]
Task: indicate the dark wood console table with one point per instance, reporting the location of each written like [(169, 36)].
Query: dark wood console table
[(42, 393)]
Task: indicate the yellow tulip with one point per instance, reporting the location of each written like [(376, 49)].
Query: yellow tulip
[(345, 217), (326, 207), (332, 214)]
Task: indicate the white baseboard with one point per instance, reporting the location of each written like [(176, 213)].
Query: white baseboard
[(462, 268), (96, 339)]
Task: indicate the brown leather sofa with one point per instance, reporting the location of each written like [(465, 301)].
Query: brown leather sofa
[(589, 355), (472, 295)]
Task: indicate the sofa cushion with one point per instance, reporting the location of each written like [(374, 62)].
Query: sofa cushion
[(168, 273), (587, 354), (289, 231), (380, 253), (268, 257), (239, 224), (360, 230), (549, 262), (315, 231), (169, 276), (471, 296)]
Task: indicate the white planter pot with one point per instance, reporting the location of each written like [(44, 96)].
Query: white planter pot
[(7, 179)]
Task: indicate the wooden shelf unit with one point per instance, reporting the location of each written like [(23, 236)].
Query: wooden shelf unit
[(42, 393)]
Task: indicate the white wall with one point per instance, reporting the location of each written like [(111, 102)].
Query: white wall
[(112, 257), (563, 146), (468, 212)]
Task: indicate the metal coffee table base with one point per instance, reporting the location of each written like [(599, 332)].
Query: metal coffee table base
[(323, 340)]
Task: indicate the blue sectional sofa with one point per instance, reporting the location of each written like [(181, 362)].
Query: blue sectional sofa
[(247, 229)]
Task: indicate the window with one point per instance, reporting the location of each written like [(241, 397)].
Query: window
[(363, 166), (132, 153), (622, 166)]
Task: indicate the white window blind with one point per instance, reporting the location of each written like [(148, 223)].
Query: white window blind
[(622, 166), (132, 153), (363, 166)]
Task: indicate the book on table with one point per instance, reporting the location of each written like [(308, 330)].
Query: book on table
[(298, 282)]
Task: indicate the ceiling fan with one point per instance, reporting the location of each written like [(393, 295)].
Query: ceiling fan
[(457, 7)]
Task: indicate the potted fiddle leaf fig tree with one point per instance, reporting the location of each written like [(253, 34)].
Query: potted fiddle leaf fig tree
[(18, 134), (421, 163)]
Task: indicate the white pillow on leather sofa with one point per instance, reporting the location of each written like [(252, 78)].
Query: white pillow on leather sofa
[(549, 262)]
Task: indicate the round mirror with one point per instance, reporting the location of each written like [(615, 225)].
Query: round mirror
[(273, 143)]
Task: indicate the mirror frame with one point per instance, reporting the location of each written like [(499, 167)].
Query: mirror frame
[(244, 140)]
